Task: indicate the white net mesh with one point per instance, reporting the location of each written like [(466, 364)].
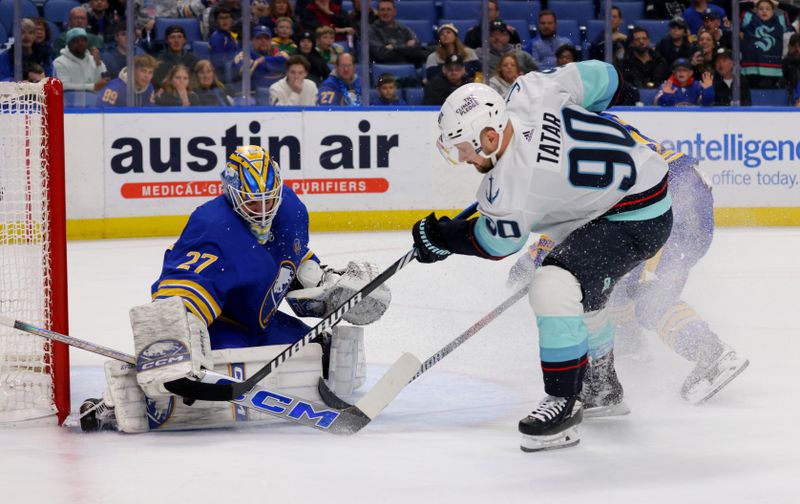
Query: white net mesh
[(26, 387)]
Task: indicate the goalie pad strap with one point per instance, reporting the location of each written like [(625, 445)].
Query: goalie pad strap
[(126, 397)]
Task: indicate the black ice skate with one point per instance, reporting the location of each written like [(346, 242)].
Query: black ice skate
[(97, 415), (553, 424), (602, 394), (709, 377)]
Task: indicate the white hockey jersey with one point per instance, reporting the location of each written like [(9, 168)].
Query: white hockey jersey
[(566, 165)]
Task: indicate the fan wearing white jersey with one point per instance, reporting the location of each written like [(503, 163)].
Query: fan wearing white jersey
[(553, 166)]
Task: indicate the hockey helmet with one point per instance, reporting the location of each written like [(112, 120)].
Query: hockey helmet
[(252, 185), (467, 111)]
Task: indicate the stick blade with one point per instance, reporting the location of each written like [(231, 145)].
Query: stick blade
[(390, 384)]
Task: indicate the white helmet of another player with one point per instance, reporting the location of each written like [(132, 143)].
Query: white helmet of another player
[(465, 114)]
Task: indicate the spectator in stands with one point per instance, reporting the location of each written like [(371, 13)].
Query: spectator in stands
[(179, 8), (319, 69), (387, 91), (343, 86), (723, 81), (115, 54), (267, 63), (283, 36), (115, 92), (101, 20), (682, 89), (762, 45), (204, 82), (222, 44), (143, 20), (546, 42), (693, 15), (355, 19), (565, 54), (392, 42), (43, 43), (279, 9), (30, 55), (676, 43), (474, 37), (175, 91), (453, 76), (506, 73), (321, 13), (619, 41), (33, 72), (791, 63), (643, 67), (703, 58), (174, 53), (450, 44), (665, 9), (713, 25), (325, 45), (499, 45), (78, 18), (78, 67), (295, 88)]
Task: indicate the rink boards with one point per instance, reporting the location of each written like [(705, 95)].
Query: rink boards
[(141, 173)]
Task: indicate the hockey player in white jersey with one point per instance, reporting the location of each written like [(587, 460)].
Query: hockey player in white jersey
[(552, 166)]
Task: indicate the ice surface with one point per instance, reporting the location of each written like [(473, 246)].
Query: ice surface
[(451, 436)]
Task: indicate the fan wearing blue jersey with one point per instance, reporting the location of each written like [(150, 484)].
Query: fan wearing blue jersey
[(552, 165), (216, 304)]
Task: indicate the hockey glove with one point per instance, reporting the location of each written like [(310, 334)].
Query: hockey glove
[(428, 241)]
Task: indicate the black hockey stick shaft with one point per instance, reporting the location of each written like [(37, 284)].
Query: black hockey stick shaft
[(229, 391)]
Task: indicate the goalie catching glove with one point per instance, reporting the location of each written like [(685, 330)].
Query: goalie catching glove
[(325, 289)]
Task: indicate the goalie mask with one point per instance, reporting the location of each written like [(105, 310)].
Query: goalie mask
[(252, 185), (467, 111)]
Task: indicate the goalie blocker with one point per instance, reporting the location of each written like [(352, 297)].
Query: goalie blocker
[(136, 400)]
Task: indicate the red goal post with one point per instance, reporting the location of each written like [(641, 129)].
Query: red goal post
[(34, 373)]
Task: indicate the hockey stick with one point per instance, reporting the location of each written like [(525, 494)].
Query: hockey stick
[(226, 392), (334, 401), (347, 420)]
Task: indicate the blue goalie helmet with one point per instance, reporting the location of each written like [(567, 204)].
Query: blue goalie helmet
[(252, 185)]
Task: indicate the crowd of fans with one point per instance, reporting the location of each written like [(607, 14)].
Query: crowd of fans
[(305, 52)]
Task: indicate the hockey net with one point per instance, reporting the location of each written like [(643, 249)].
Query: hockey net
[(34, 379)]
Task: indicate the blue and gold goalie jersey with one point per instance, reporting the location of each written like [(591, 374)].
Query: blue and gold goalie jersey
[(230, 281)]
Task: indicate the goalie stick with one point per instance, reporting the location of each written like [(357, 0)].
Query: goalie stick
[(334, 401), (228, 391), (347, 420)]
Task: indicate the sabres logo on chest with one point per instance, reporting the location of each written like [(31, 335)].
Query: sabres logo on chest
[(276, 292)]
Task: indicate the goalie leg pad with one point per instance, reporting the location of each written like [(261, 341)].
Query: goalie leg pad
[(170, 342), (348, 368), (126, 397)]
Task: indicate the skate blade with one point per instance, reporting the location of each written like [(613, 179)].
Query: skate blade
[(564, 439), (613, 410), (704, 394)]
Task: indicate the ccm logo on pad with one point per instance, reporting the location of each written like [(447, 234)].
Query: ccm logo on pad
[(160, 354)]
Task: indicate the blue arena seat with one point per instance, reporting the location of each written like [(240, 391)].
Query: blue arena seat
[(422, 27), (579, 10), (648, 96), (526, 10), (630, 10), (522, 26), (3, 35), (461, 9), (7, 13), (569, 28), (656, 28), (770, 97), (190, 25), (57, 11), (414, 95), (262, 96), (374, 95), (200, 49), (400, 71), (422, 10)]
